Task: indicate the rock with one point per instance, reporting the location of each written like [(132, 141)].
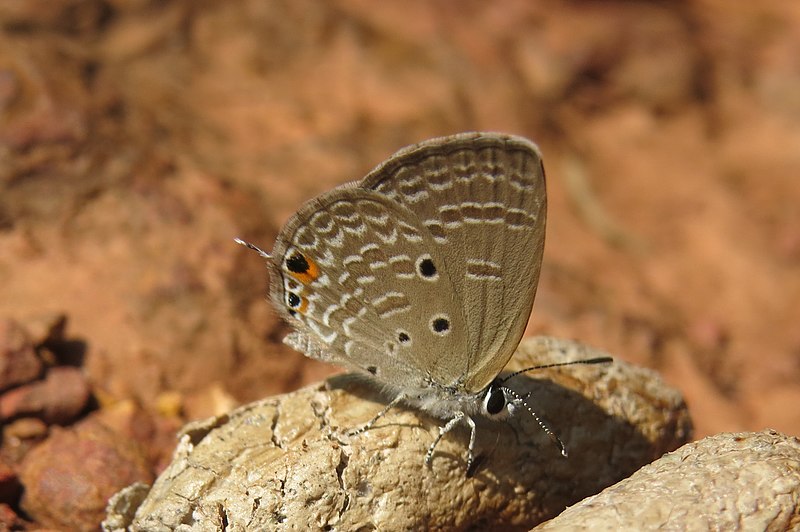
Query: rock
[(122, 506), (285, 462), (154, 433), (59, 398), (20, 435), (733, 481), (18, 361), (25, 428), (69, 478)]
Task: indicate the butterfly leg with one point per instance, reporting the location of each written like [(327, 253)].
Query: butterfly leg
[(368, 425), (450, 425), (471, 448)]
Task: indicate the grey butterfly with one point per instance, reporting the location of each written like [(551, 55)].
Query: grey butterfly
[(422, 275)]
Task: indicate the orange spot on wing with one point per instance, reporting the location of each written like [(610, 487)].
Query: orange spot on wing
[(308, 276)]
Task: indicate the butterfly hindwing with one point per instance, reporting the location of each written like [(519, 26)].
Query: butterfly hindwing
[(481, 198)]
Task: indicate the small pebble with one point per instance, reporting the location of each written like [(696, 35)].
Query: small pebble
[(18, 361), (70, 476), (58, 399)]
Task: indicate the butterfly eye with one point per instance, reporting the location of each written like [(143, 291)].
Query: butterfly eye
[(426, 268), (495, 401), (440, 325)]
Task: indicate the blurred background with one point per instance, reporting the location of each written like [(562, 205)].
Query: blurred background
[(138, 137)]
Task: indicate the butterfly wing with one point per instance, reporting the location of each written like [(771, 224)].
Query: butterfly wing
[(363, 283), (481, 199), (425, 271)]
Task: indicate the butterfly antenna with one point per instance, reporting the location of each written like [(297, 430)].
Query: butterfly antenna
[(253, 247), (542, 423), (598, 360)]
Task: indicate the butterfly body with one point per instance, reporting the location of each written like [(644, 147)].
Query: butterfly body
[(442, 401)]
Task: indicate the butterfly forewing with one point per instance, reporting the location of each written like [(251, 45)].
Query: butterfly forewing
[(356, 273)]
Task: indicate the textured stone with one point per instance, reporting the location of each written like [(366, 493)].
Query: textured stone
[(732, 481), (18, 361), (69, 478), (59, 398), (25, 428), (285, 463)]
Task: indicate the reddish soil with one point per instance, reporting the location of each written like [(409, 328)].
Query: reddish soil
[(137, 138)]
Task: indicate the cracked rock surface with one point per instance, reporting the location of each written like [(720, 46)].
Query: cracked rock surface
[(286, 462), (732, 481)]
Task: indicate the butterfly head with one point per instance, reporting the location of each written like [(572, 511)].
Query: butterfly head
[(499, 402)]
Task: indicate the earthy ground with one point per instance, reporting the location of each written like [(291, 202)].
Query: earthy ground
[(137, 138)]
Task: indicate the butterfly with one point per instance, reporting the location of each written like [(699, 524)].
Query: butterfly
[(422, 276)]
